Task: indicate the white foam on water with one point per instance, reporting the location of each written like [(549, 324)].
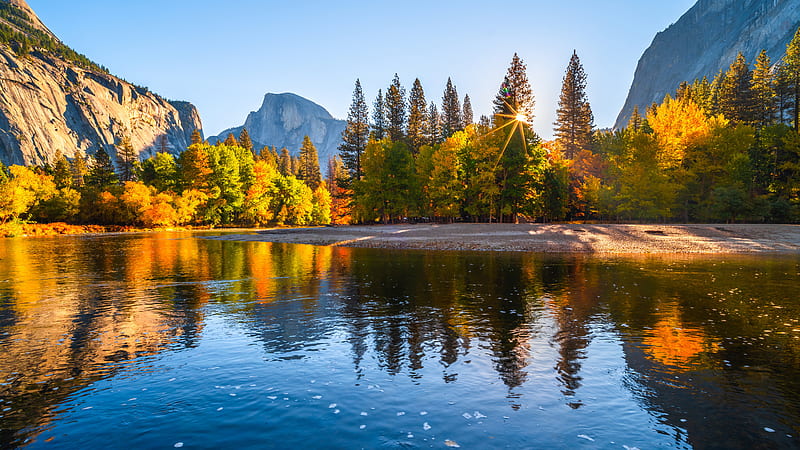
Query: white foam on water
[(426, 426), (583, 436), (332, 405)]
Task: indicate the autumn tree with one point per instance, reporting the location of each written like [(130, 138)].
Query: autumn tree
[(79, 168), (452, 120), (244, 140), (574, 122), (790, 76), (396, 110), (160, 171), (417, 118), (196, 137), (355, 136), (126, 157)]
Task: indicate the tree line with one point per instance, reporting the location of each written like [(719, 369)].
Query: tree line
[(721, 151), (206, 185)]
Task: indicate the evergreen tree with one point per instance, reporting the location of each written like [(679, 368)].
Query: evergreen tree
[(515, 95), (308, 168), (285, 163), (701, 94), (231, 141), (396, 110), (467, 115), (62, 175), (636, 119), (244, 140), (126, 157), (101, 175), (163, 144), (434, 125), (197, 138), (451, 111), (355, 135), (791, 78), (79, 169), (417, 118), (764, 90), (736, 99), (378, 117), (574, 119)]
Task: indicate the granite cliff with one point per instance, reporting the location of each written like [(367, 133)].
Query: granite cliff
[(53, 99), (285, 119), (706, 40)]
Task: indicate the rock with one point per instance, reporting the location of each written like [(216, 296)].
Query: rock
[(706, 40), (284, 120), (49, 103)]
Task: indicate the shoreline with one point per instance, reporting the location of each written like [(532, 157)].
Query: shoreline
[(546, 238)]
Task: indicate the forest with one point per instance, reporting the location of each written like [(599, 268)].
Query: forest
[(720, 150)]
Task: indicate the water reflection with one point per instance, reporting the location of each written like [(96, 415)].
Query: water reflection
[(706, 344)]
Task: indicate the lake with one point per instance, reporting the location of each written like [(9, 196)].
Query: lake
[(169, 340)]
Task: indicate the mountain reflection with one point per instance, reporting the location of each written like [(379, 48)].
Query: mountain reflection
[(76, 310)]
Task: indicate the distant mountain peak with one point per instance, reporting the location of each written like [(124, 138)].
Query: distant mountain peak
[(283, 120)]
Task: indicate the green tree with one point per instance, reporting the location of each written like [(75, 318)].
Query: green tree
[(417, 118), (79, 169), (764, 91), (396, 110), (126, 158), (101, 175), (379, 117), (515, 95), (160, 171), (386, 191), (434, 125), (467, 116), (452, 121), (62, 175), (574, 118), (736, 97), (355, 136), (309, 171), (285, 164), (790, 75)]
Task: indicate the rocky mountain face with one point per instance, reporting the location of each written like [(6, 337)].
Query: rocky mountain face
[(285, 119), (52, 99), (706, 40)]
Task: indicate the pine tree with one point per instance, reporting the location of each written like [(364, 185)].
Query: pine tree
[(636, 119), (451, 111), (467, 116), (791, 78), (355, 135), (62, 175), (196, 137), (736, 99), (231, 141), (434, 125), (101, 175), (417, 118), (764, 91), (396, 110), (701, 95), (574, 119), (308, 167), (515, 96), (126, 157), (163, 144), (378, 117), (244, 140), (79, 169), (285, 163)]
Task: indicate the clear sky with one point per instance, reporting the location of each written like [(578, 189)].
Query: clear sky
[(224, 56)]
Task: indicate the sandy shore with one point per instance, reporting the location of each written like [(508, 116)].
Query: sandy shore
[(613, 239)]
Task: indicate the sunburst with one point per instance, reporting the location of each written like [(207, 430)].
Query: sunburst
[(517, 122)]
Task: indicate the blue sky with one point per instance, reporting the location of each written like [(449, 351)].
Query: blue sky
[(224, 56)]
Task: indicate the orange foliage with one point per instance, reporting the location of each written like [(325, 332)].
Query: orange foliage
[(675, 345)]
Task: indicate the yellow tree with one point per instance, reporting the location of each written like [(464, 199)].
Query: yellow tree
[(679, 125)]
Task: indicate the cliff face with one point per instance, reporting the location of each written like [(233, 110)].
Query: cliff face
[(285, 119), (49, 103), (706, 40)]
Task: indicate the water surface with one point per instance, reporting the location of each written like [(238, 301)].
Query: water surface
[(164, 340)]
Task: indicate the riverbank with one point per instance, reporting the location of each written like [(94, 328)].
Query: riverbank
[(551, 238)]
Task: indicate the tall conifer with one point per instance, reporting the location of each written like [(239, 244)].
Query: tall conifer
[(417, 118), (574, 119), (102, 174), (736, 99), (355, 135), (396, 110), (126, 157), (379, 117), (451, 111), (764, 90), (244, 140), (791, 78), (434, 125), (515, 95), (467, 116), (308, 167)]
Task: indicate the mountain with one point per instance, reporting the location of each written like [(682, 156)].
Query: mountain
[(706, 40), (54, 99), (284, 120)]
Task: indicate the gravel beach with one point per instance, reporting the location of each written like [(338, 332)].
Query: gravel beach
[(555, 238)]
